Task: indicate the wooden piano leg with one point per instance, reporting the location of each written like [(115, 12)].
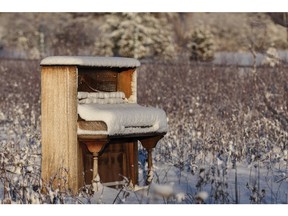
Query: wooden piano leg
[(149, 143), (95, 164), (95, 147)]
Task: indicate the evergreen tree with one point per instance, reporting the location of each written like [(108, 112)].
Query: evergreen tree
[(201, 45), (136, 35)]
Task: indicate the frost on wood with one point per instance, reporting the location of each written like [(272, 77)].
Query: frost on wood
[(124, 118), (133, 97), (91, 61), (101, 97)]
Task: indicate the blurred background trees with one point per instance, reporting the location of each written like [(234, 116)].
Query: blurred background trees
[(201, 45), (195, 36), (281, 19), (136, 35)]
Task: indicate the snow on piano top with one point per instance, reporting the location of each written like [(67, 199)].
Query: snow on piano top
[(91, 61)]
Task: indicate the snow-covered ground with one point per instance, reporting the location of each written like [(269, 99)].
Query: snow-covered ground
[(212, 179), (172, 186), (214, 130), (245, 58)]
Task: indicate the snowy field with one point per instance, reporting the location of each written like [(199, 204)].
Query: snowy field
[(211, 179), (227, 139)]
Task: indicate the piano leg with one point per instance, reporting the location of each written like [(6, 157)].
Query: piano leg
[(95, 164), (95, 147), (149, 143)]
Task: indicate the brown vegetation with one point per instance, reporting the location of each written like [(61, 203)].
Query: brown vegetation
[(212, 110), (37, 35), (228, 113)]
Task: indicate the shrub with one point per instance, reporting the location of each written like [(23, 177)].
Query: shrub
[(201, 45), (137, 35)]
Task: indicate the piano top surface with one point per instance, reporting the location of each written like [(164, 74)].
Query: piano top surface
[(91, 61)]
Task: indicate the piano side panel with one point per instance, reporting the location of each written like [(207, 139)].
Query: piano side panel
[(60, 149)]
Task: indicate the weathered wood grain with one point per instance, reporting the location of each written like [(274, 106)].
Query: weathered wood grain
[(60, 147), (92, 125)]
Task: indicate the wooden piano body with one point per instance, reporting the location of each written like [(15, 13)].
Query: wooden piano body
[(91, 122)]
